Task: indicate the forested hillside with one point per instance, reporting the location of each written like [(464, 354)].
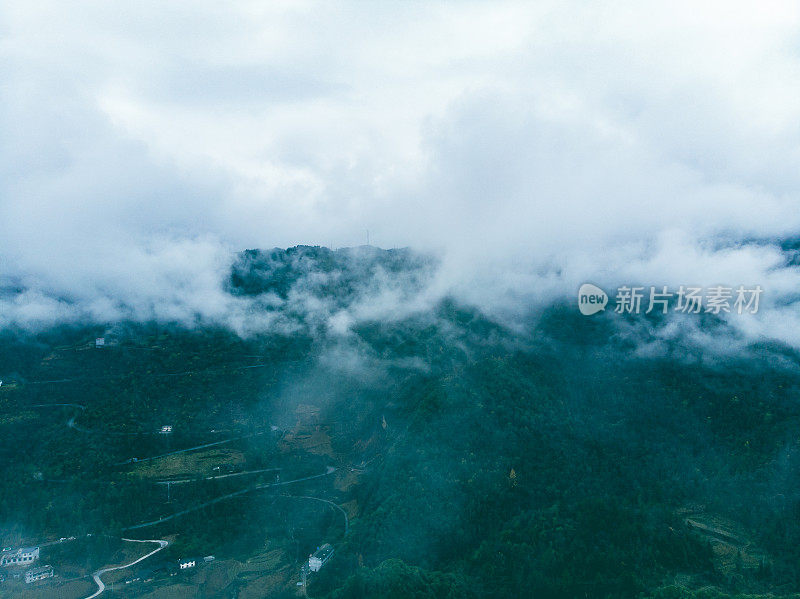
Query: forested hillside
[(472, 458)]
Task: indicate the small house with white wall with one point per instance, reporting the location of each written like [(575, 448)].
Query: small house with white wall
[(185, 564), (320, 557), (39, 573), (24, 556)]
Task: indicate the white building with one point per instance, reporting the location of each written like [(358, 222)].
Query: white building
[(100, 342), (24, 556), (166, 429), (184, 564), (39, 573), (320, 557)]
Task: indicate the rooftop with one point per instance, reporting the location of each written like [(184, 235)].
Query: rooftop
[(324, 552), (20, 550)]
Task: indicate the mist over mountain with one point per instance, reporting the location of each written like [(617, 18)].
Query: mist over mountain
[(635, 145), (289, 300), (455, 443)]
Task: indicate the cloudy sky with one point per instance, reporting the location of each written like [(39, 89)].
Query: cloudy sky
[(533, 145)]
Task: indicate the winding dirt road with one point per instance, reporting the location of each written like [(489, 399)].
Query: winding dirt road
[(102, 587)]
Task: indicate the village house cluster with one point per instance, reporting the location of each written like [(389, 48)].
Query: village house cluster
[(18, 562)]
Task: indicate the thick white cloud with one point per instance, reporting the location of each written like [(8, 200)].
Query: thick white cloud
[(535, 145)]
